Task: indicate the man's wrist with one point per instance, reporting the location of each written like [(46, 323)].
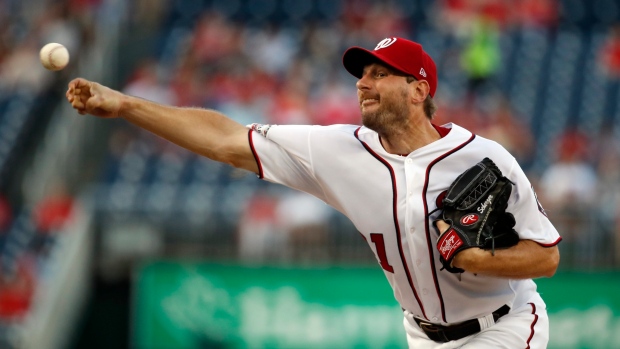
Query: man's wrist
[(466, 259), (124, 103)]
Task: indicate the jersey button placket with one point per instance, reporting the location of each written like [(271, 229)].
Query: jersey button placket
[(408, 163)]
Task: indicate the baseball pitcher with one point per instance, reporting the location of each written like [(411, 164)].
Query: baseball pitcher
[(451, 217)]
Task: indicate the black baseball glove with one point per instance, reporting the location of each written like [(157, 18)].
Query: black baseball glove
[(475, 208)]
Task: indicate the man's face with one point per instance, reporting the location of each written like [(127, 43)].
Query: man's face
[(383, 95)]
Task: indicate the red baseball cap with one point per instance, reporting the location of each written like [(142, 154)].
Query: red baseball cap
[(404, 55)]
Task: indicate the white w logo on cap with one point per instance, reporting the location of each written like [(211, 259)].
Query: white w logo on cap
[(423, 72), (385, 43)]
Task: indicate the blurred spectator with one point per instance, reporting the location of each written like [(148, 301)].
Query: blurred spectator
[(320, 44), (214, 37), (270, 49), (353, 17), (571, 168), (187, 83), (288, 226), (251, 95), (506, 128), (60, 23), (499, 13), (21, 69), (462, 112), (480, 58), (146, 15), (50, 216), (17, 290), (147, 83), (258, 237), (303, 218), (569, 193), (609, 54), (608, 194), (454, 16), (384, 19), (54, 211), (335, 104), (541, 14), (290, 104), (460, 15)]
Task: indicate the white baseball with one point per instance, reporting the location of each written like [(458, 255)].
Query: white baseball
[(54, 56)]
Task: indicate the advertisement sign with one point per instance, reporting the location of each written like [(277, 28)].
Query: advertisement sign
[(209, 305)]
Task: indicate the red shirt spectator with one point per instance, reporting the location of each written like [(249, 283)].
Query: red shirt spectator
[(610, 53), (16, 292), (53, 212)]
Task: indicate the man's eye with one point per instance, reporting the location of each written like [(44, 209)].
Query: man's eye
[(381, 74)]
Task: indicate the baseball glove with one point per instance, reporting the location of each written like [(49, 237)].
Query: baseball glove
[(475, 208)]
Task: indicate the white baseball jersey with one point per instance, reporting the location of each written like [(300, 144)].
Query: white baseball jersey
[(389, 198)]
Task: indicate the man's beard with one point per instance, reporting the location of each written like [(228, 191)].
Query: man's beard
[(391, 115)]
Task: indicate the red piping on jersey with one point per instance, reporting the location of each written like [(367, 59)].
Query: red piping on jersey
[(443, 131), (551, 244), (431, 249), (532, 325), (260, 166), (395, 215)]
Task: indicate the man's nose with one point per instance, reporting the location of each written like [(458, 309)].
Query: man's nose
[(363, 83)]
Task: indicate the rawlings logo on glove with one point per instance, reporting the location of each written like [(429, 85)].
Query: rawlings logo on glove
[(469, 219), (449, 244), (475, 208)]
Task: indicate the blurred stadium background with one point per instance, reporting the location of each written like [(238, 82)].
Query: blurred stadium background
[(113, 238)]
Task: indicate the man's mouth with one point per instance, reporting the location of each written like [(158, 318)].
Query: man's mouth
[(368, 101)]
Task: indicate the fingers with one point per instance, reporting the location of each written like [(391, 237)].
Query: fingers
[(79, 83), (78, 104), (78, 93), (88, 97), (442, 226)]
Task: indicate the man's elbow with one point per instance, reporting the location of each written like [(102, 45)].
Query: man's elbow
[(223, 153), (240, 158), (553, 261)]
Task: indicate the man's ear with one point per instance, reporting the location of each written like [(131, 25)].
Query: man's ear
[(421, 89)]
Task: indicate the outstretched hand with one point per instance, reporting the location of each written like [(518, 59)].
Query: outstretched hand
[(89, 97)]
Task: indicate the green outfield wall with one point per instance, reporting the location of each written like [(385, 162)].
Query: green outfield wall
[(210, 305)]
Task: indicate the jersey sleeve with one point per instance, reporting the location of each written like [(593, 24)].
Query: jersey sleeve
[(532, 222), (283, 155)]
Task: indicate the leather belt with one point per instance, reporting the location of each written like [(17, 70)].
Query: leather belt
[(444, 334)]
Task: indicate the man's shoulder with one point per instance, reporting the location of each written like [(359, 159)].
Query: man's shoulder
[(478, 140), (490, 144), (481, 146)]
